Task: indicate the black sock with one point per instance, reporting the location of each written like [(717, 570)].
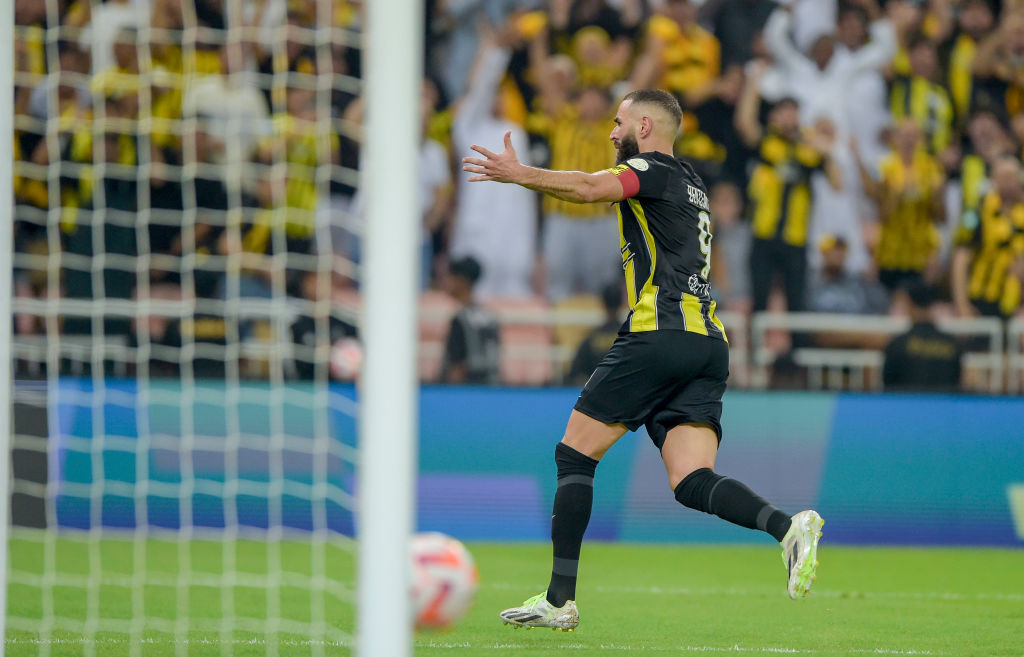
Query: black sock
[(569, 518), (730, 500)]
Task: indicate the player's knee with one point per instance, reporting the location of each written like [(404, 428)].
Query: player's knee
[(694, 491), (572, 463)]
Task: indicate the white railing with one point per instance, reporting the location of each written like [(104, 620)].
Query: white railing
[(1015, 355), (996, 365), (860, 368)]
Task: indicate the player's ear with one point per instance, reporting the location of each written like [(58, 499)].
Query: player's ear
[(646, 126)]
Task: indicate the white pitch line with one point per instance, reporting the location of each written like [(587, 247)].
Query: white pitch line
[(198, 641), (822, 593), (458, 645), (634, 648)]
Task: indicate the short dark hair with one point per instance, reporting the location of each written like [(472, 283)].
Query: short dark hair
[(467, 268), (920, 40), (786, 100), (611, 297), (662, 99), (921, 294), (846, 9)]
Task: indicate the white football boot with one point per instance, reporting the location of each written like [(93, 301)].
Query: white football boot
[(800, 552), (538, 612)]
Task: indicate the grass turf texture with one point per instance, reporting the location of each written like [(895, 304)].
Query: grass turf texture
[(633, 599)]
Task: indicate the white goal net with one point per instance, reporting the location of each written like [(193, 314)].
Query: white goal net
[(184, 443)]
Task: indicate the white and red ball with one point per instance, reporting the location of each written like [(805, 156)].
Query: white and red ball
[(444, 579)]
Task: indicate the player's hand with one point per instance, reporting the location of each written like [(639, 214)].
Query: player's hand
[(499, 167)]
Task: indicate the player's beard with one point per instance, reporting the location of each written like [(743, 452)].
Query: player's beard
[(627, 148)]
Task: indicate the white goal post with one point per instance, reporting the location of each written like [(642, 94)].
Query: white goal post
[(388, 404), (6, 273)]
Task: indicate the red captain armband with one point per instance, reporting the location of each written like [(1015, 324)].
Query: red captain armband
[(628, 179)]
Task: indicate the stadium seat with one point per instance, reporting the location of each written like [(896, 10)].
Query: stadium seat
[(527, 339), (436, 311), (569, 334)]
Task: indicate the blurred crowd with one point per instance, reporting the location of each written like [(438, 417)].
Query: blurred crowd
[(209, 150)]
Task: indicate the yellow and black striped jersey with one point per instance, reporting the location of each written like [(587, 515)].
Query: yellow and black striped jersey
[(960, 78), (576, 145), (974, 182), (996, 235), (780, 189), (691, 56), (909, 236), (928, 104), (665, 239)]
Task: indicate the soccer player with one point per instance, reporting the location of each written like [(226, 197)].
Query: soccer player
[(667, 369)]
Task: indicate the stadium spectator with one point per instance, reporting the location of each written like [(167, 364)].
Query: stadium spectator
[(833, 289), (837, 81), (233, 104), (294, 58), (495, 225), (868, 118), (67, 93), (678, 55), (457, 38), (730, 248), (919, 96), (106, 25), (988, 264), (987, 141), (472, 349), (206, 194), (821, 81), (599, 37), (909, 195), (736, 24), (973, 23), (924, 359), (597, 343), (780, 193), (579, 240), (683, 58), (308, 327), (435, 194), (999, 64), (109, 230)]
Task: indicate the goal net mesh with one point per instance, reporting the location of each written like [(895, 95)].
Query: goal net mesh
[(183, 450)]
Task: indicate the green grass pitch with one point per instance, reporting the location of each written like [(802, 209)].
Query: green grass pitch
[(633, 599)]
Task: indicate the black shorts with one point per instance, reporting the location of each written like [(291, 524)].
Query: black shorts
[(660, 379), (894, 279)]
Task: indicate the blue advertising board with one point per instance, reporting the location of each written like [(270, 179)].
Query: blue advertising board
[(900, 469)]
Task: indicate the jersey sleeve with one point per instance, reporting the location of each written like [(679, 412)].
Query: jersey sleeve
[(640, 178)]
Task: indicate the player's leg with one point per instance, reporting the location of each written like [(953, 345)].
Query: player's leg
[(616, 399), (586, 440), (689, 454)]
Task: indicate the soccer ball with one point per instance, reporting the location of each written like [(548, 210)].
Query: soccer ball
[(444, 579)]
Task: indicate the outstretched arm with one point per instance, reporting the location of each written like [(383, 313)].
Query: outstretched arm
[(745, 119), (778, 42), (878, 53), (572, 186)]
